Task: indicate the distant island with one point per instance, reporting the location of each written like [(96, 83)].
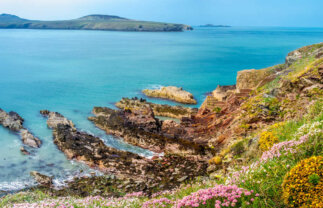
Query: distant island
[(91, 22), (211, 25)]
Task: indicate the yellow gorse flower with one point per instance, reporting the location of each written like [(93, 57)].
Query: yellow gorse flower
[(303, 184), (267, 140)]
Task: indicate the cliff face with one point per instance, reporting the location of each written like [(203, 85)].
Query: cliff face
[(263, 96)]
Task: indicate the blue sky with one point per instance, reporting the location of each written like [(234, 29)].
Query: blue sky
[(300, 13)]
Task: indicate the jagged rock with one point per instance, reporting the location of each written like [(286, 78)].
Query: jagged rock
[(221, 92), (292, 57), (311, 50), (45, 112), (143, 174), (55, 118), (24, 151), (11, 121), (252, 78), (29, 139), (141, 128), (42, 179), (172, 93), (158, 109), (14, 122)]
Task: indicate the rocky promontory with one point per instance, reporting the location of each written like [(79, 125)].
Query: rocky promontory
[(144, 173), (158, 109), (139, 127), (14, 122), (171, 93)]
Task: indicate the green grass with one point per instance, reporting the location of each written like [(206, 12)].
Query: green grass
[(267, 180)]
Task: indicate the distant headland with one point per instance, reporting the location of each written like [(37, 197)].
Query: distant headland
[(91, 22), (211, 25)]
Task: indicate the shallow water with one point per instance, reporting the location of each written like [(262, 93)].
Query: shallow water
[(73, 71)]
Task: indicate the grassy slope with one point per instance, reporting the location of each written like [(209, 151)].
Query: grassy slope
[(265, 179)]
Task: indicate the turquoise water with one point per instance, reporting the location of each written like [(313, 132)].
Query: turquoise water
[(73, 71)]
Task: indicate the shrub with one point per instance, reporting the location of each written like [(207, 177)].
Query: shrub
[(217, 160), (267, 140), (238, 148), (217, 109), (303, 185)]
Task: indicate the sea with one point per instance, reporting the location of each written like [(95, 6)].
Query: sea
[(72, 71)]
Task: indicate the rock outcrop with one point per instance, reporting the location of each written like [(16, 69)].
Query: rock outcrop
[(252, 78), (221, 92), (24, 151), (172, 93), (160, 173), (54, 119), (144, 174), (42, 179), (84, 147), (29, 139), (158, 109), (310, 50), (14, 122), (139, 127)]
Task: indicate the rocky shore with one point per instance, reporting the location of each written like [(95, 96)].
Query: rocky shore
[(139, 127), (141, 174), (14, 122), (171, 93), (208, 142), (158, 109)]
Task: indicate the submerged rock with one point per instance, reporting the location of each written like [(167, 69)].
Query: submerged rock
[(14, 122), (172, 93), (42, 179), (24, 151), (158, 109)]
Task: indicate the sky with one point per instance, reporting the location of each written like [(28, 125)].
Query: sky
[(293, 13)]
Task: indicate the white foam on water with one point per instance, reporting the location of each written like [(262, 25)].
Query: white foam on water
[(154, 86), (16, 185)]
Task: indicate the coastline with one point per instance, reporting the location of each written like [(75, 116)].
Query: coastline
[(242, 110)]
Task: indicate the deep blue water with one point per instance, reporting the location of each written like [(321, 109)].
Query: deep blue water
[(73, 71)]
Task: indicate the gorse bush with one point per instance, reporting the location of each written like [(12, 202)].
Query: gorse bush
[(303, 185), (217, 160), (267, 140)]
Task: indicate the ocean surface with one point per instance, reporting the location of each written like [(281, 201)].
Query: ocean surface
[(72, 71)]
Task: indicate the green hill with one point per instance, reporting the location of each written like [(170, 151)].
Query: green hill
[(91, 22)]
